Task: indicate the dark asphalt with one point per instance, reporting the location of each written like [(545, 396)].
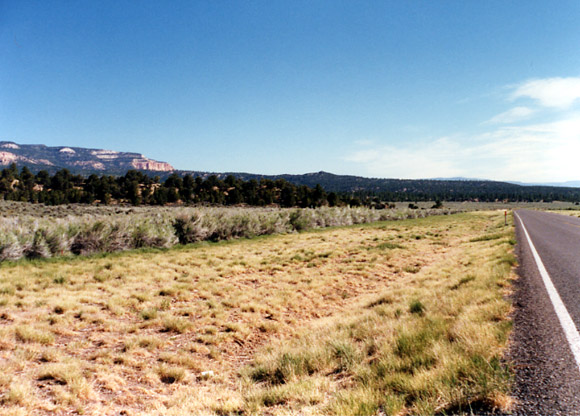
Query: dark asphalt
[(547, 379)]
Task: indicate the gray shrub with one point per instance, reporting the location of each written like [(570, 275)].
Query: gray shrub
[(85, 234)]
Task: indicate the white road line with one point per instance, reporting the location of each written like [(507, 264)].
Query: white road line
[(565, 320)]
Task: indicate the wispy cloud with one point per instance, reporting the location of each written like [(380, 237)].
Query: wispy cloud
[(528, 151), (539, 152), (409, 161), (513, 115), (550, 92)]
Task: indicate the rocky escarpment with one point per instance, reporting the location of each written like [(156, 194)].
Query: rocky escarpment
[(148, 164), (7, 158), (77, 159)]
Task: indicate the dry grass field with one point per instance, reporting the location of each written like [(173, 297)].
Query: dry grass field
[(406, 317), (570, 212), (13, 208)]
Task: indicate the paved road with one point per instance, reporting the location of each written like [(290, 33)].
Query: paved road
[(547, 372)]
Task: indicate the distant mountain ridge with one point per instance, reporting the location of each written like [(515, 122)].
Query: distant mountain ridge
[(567, 184), (77, 159)]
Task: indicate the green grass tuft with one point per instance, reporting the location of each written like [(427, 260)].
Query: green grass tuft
[(417, 307)]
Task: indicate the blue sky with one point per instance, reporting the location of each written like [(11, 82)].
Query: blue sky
[(407, 89)]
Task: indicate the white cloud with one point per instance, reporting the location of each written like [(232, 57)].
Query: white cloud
[(551, 92), (530, 152), (513, 115), (410, 161), (535, 153)]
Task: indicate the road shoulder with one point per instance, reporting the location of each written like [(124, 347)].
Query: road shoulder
[(545, 375)]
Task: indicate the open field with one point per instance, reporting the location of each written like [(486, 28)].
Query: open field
[(407, 316), (572, 213), (12, 208)]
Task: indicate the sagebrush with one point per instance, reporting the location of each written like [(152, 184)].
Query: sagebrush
[(27, 236)]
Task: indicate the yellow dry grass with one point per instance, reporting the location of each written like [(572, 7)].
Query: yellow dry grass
[(176, 331), (569, 212)]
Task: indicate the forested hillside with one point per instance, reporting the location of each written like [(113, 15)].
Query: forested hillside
[(316, 190), (422, 189), (138, 188)]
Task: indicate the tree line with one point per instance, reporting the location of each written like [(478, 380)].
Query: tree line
[(415, 190), (137, 188)]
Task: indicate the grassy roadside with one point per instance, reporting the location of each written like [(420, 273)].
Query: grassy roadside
[(407, 316), (430, 344), (569, 213)]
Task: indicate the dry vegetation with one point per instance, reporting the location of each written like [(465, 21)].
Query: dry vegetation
[(43, 235), (569, 212), (15, 208), (394, 317)]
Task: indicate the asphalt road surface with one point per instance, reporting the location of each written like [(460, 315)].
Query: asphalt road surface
[(545, 345)]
